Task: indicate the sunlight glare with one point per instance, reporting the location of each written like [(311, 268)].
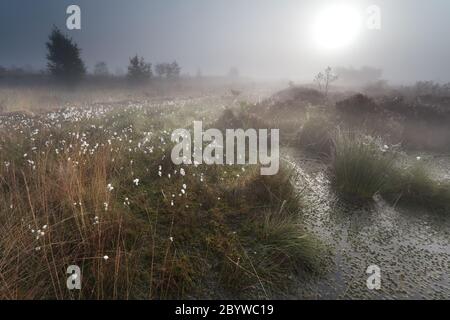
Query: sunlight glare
[(336, 27)]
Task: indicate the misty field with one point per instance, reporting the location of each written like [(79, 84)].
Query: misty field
[(86, 179)]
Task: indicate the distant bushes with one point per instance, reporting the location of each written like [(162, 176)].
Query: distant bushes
[(425, 125), (415, 124), (358, 105), (432, 111), (395, 106), (139, 70), (297, 97), (168, 70), (101, 70)]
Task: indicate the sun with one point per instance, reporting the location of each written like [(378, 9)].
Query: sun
[(336, 27)]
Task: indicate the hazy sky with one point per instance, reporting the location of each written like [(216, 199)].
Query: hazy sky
[(263, 38)]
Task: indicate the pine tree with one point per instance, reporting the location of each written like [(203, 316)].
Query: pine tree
[(64, 61), (139, 70)]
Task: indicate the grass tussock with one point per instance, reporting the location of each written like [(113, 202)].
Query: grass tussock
[(414, 186), (359, 168), (275, 244), (362, 168)]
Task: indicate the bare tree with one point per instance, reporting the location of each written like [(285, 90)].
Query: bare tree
[(324, 79)]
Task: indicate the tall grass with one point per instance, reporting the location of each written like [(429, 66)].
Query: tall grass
[(275, 243), (414, 186), (96, 188), (359, 168)]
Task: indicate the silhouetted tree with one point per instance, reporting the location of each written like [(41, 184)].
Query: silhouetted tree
[(161, 69), (139, 70), (168, 70), (101, 69), (173, 70), (64, 61)]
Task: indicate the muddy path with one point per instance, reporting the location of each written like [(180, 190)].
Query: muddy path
[(412, 248)]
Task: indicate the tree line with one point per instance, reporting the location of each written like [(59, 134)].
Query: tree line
[(64, 64)]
